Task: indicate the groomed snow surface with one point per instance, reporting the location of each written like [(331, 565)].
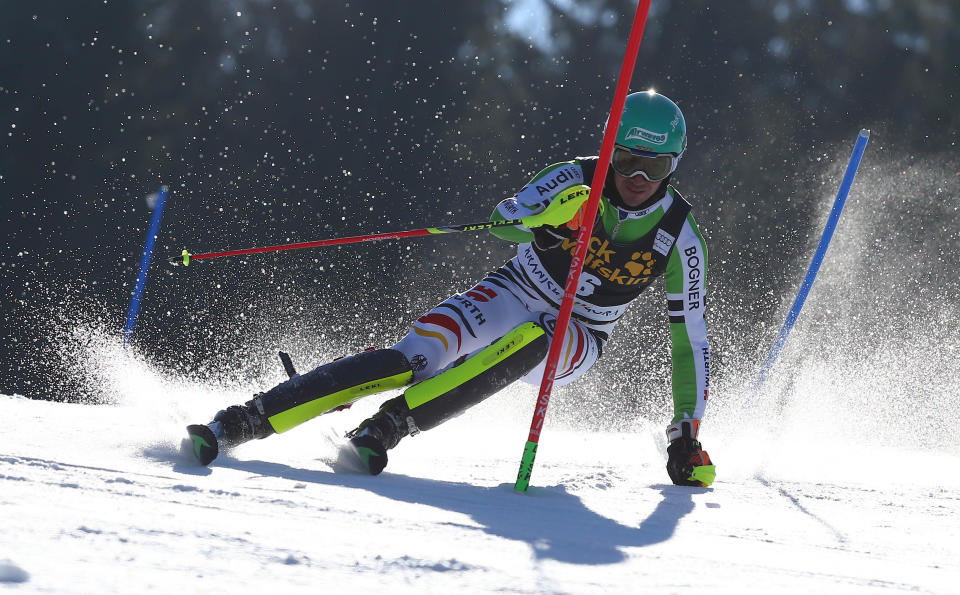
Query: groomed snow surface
[(100, 499)]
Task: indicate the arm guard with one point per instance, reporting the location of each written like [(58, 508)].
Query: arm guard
[(535, 198)]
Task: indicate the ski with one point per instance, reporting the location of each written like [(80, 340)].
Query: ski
[(368, 452), (203, 443)]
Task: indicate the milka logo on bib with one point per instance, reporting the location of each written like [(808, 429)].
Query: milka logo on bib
[(654, 138)]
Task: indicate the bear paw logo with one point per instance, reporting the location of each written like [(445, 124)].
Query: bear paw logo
[(642, 268)]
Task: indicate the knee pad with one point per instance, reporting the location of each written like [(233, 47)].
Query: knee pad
[(481, 375), (331, 385)]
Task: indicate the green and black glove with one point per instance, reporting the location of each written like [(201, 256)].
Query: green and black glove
[(546, 237), (563, 209), (687, 463)]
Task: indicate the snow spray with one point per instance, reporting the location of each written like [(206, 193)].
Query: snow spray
[(815, 263), (863, 389)]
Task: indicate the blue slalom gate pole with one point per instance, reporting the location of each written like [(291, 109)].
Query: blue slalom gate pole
[(848, 177), (144, 265)]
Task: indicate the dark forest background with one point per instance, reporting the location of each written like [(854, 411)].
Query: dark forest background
[(294, 120)]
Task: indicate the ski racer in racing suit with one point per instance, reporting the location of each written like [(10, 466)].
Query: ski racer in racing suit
[(477, 342)]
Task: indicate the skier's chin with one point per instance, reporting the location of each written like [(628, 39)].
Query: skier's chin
[(635, 197), (635, 191)]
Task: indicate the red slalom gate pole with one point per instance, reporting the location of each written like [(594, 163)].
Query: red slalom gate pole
[(583, 241)]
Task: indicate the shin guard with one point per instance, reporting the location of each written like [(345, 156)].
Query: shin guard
[(453, 391), (331, 385)]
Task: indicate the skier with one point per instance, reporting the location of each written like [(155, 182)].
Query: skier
[(477, 342)]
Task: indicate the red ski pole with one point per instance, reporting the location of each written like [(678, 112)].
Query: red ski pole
[(583, 241), (186, 257)]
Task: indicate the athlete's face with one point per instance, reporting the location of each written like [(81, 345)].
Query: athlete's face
[(636, 190)]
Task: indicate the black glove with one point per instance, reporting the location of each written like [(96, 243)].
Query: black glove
[(546, 237), (688, 464)]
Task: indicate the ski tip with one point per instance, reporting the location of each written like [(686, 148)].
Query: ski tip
[(203, 443), (864, 133), (363, 454)]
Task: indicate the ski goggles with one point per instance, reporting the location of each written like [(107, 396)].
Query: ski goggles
[(634, 162)]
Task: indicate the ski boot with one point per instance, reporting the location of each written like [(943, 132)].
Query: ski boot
[(433, 401), (376, 435), (230, 427)]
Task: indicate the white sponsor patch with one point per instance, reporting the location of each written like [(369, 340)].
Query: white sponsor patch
[(654, 138), (588, 284), (663, 242)]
